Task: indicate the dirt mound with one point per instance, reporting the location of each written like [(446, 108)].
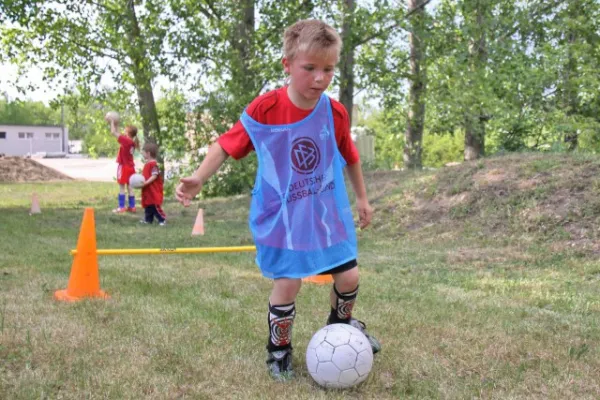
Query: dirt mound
[(19, 169), (549, 197)]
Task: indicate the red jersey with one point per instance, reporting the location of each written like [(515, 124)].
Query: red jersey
[(276, 108), (152, 195), (125, 156)]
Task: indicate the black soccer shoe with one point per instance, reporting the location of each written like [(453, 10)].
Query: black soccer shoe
[(361, 326), (279, 363)]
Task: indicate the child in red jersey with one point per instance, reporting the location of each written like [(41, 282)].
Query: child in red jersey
[(302, 140), (152, 190), (129, 142)]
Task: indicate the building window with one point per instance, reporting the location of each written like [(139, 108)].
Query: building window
[(2, 135), (52, 135), (21, 135), (29, 135)]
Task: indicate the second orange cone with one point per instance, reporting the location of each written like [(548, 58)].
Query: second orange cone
[(84, 280)]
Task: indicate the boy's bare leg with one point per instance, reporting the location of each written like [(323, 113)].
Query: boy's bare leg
[(285, 290)]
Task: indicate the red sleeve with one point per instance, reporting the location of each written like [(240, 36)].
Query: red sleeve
[(236, 141), (341, 121), (124, 140)]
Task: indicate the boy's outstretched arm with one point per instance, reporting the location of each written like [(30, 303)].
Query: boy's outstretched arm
[(189, 187), (365, 211)]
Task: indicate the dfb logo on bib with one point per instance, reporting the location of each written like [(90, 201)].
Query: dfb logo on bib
[(305, 155)]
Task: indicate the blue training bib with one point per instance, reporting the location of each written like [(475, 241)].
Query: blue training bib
[(300, 216)]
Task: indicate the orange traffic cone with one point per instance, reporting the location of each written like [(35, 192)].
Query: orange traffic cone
[(35, 205), (319, 279), (84, 280), (199, 224)]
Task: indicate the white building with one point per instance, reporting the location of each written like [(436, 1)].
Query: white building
[(22, 140)]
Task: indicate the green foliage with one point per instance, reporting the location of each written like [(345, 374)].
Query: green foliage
[(388, 130), (234, 177), (175, 124), (100, 144), (23, 112), (439, 150)]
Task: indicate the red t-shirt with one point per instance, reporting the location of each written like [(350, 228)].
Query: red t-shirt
[(276, 108), (125, 156), (153, 193)]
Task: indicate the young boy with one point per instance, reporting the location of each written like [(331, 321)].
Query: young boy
[(300, 215), (128, 142), (152, 190)]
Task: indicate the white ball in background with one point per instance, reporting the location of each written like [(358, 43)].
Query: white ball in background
[(112, 116), (136, 181)]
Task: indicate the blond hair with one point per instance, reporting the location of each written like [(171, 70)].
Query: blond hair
[(311, 35)]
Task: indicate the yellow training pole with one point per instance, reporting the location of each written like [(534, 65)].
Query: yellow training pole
[(169, 250)]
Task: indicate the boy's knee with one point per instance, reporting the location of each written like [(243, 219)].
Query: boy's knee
[(288, 284), (285, 290), (347, 281)]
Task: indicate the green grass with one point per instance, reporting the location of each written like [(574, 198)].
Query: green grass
[(481, 290)]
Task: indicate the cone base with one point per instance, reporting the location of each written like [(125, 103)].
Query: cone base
[(319, 279), (62, 295)]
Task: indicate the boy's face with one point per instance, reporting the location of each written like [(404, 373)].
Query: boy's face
[(311, 73), (146, 155)]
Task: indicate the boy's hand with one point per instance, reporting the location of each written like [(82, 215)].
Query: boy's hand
[(365, 213), (187, 189)]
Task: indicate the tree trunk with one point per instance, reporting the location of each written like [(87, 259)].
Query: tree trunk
[(475, 118), (474, 136), (413, 146), (347, 60), (242, 43), (570, 102), (143, 79)]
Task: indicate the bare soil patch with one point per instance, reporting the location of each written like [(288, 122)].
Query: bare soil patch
[(19, 169)]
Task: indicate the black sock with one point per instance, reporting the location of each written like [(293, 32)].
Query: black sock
[(280, 320), (344, 304)]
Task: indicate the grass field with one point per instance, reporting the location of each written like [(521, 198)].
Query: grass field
[(481, 281)]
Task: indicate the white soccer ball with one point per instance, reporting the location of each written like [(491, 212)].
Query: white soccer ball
[(339, 356), (136, 181), (112, 116)]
